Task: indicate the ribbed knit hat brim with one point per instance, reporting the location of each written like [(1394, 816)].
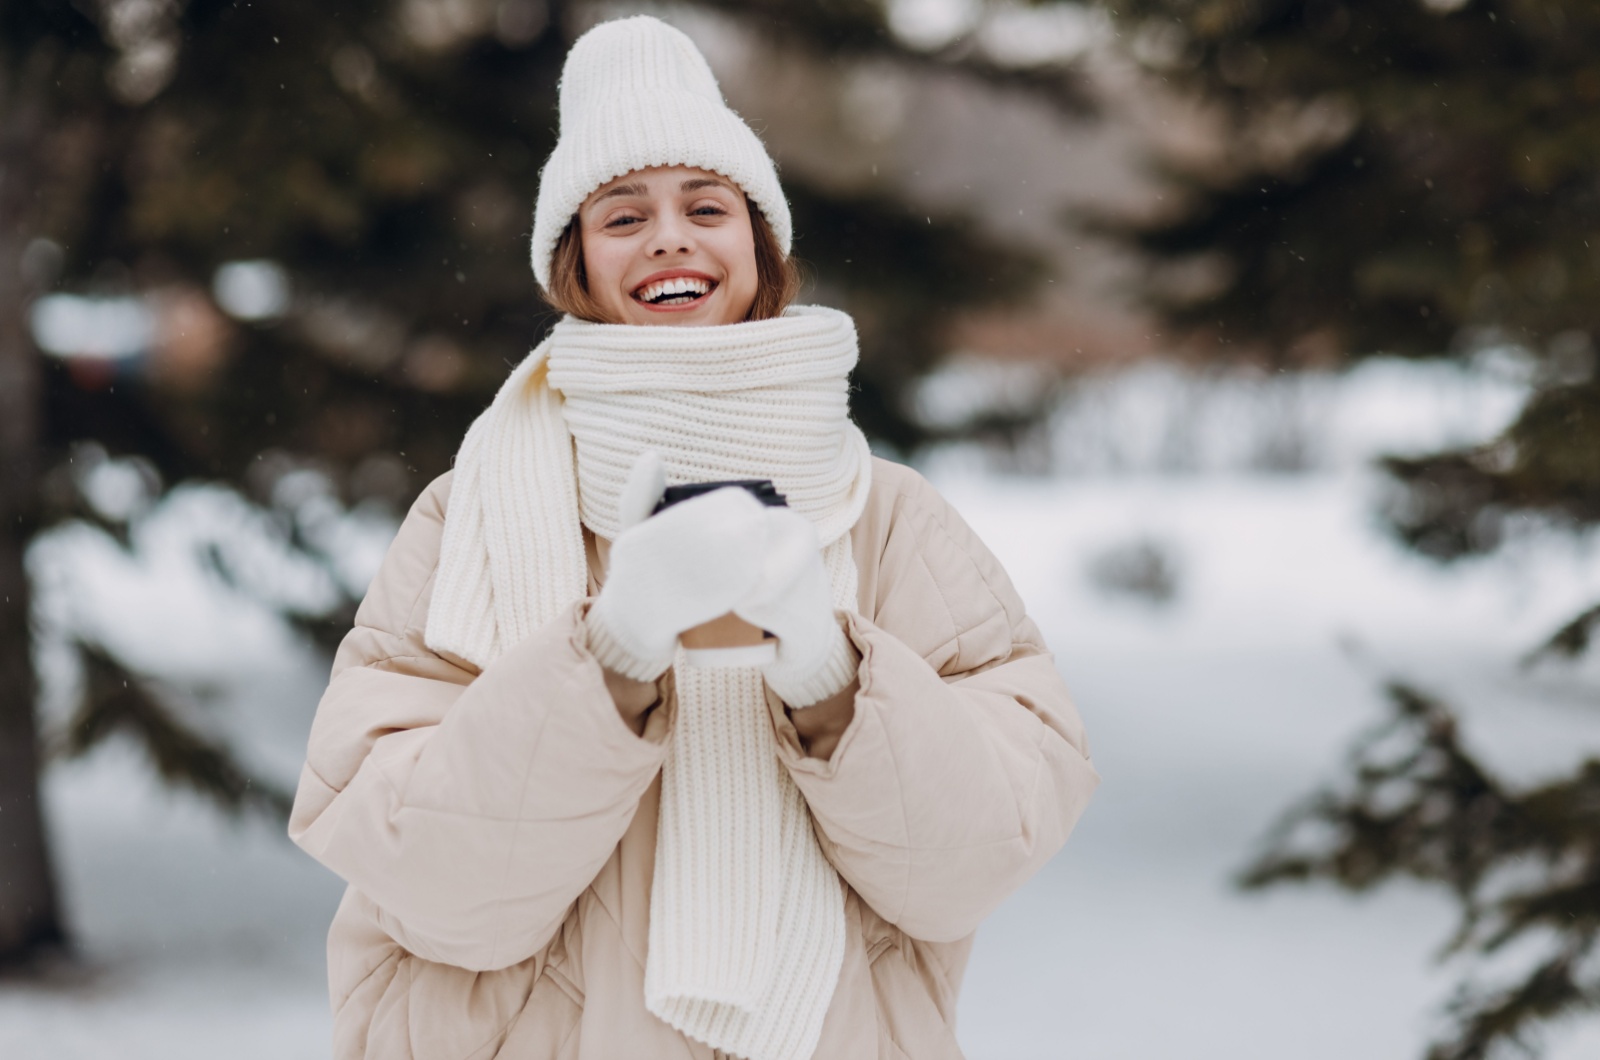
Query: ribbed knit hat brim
[(637, 93)]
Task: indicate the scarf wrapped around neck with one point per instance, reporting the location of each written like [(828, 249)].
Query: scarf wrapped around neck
[(746, 915)]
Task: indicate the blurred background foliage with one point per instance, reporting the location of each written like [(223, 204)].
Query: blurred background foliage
[(1416, 178), (313, 219), (1412, 178)]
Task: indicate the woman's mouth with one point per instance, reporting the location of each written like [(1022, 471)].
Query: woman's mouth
[(679, 292)]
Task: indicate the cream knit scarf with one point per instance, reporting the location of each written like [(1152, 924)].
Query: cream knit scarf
[(746, 915)]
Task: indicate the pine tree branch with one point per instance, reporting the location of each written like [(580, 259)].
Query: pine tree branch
[(1520, 865), (117, 700), (1568, 642)]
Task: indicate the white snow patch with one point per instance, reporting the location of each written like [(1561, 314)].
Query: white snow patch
[(1160, 417)]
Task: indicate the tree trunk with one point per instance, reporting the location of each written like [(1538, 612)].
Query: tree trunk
[(29, 918)]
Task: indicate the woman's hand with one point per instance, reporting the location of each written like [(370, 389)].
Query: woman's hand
[(671, 572), (794, 601)]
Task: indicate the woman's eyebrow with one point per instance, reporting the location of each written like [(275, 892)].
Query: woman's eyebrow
[(625, 189), (696, 183)]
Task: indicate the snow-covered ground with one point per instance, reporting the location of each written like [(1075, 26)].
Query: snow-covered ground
[(1207, 715), (1206, 719)]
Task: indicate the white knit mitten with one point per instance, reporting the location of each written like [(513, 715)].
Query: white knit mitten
[(671, 572), (794, 601)]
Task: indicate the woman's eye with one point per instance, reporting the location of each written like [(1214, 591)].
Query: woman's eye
[(618, 222), (707, 211)]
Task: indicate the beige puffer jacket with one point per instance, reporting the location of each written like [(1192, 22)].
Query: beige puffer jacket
[(498, 829)]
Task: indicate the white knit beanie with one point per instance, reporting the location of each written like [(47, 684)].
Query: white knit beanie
[(636, 93)]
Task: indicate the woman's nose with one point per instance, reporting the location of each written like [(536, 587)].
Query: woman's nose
[(671, 236)]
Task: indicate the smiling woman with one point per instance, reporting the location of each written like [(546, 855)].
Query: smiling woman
[(669, 241), (655, 245), (566, 836)]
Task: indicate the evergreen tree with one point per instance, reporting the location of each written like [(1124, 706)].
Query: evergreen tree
[(28, 914), (1411, 177), (1417, 177)]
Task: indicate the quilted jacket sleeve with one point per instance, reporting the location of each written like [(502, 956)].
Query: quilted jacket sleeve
[(966, 764), (472, 810)]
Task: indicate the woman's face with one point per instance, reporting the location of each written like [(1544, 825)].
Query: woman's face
[(669, 245)]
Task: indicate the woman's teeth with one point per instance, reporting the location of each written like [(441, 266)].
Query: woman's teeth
[(673, 292)]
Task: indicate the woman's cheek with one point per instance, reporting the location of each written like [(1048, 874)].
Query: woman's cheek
[(604, 269)]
